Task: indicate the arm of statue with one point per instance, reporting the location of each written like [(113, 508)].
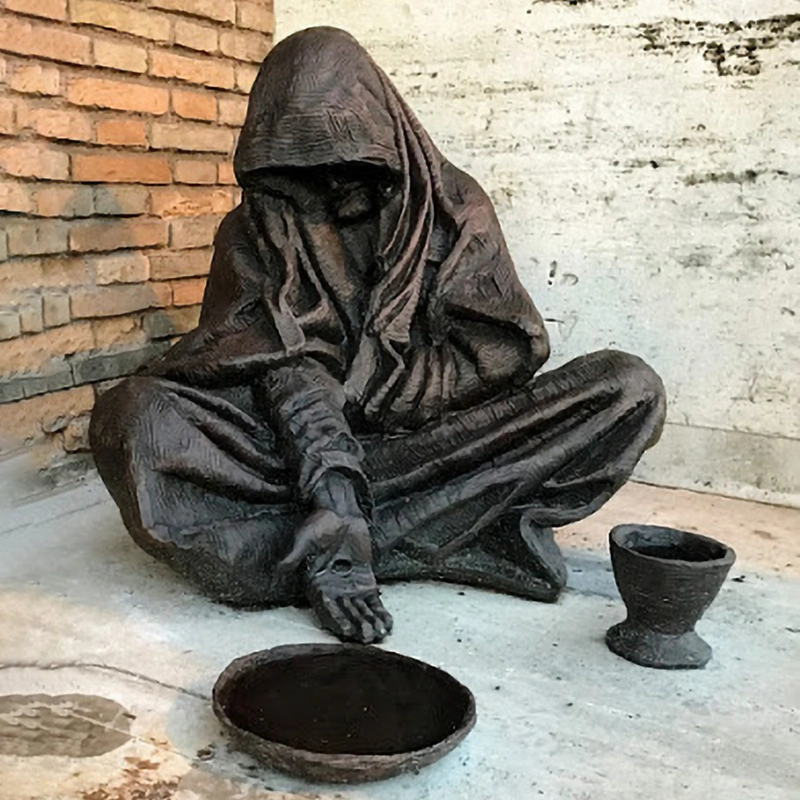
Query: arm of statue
[(332, 546)]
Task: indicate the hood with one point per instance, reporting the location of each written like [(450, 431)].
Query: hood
[(318, 99)]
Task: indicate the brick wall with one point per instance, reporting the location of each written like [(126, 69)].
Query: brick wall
[(117, 126)]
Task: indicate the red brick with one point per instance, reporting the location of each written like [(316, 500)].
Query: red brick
[(30, 316), (190, 201), (34, 160), (30, 352), (244, 45), (195, 36), (225, 173), (10, 325), (204, 138), (120, 200), (116, 55), (27, 274), (220, 10), (188, 292), (187, 171), (26, 420), (205, 71), (245, 76), (120, 95), (56, 123), (44, 453), (170, 321), (52, 9), (116, 301), (232, 110), (116, 331), (120, 17), (8, 116), (35, 79), (65, 200), (76, 435), (117, 234), (166, 265), (120, 168), (55, 310), (63, 271), (193, 232), (16, 197), (257, 16), (45, 41), (124, 132), (132, 267), (32, 237), (194, 105)]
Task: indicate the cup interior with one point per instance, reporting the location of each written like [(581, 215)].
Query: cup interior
[(670, 544)]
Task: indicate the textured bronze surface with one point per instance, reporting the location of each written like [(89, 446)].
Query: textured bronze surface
[(362, 399), (667, 579)]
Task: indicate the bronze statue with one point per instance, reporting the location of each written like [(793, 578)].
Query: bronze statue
[(361, 398)]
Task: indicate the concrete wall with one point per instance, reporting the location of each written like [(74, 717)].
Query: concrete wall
[(644, 159)]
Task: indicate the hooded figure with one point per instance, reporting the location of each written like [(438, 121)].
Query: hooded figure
[(360, 396)]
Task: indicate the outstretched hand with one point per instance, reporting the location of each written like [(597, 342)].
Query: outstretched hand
[(336, 552)]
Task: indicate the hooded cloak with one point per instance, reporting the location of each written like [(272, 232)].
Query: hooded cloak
[(446, 323), (400, 351)]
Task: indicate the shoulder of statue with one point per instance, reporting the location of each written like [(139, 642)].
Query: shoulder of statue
[(231, 229), (460, 187)]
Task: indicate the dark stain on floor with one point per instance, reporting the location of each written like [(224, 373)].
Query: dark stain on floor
[(763, 534), (134, 789), (71, 725)]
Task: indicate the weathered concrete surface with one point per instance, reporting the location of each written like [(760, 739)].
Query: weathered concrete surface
[(644, 159), (109, 661)]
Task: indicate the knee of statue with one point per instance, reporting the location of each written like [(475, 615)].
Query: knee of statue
[(121, 407), (636, 377)]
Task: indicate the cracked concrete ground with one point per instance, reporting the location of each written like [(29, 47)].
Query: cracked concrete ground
[(107, 661)]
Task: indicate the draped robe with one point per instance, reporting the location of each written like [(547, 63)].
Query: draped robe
[(402, 352)]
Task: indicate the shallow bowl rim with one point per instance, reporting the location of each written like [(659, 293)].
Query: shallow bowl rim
[(349, 762), (727, 559)]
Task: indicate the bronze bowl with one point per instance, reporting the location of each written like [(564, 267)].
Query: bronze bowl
[(335, 713), (667, 579)]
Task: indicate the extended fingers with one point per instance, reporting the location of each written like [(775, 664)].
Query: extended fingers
[(334, 618), (365, 633), (375, 622), (377, 607), (360, 619)]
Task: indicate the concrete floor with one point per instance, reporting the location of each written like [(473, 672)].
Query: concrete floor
[(111, 660)]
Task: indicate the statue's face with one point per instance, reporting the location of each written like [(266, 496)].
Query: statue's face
[(348, 192)]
